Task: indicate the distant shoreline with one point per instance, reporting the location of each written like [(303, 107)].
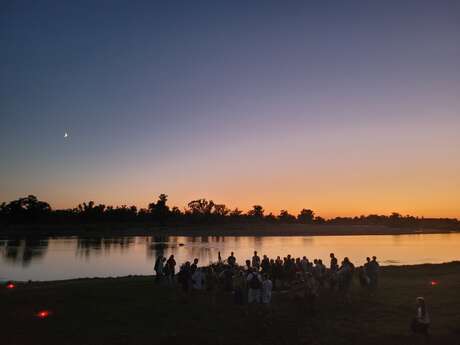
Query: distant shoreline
[(262, 229)]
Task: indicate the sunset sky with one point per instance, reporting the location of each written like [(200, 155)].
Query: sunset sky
[(344, 107)]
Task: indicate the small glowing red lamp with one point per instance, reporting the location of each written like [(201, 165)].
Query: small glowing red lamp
[(10, 285), (43, 314), (434, 283)]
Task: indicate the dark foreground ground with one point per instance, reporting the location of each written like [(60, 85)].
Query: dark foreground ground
[(133, 310)]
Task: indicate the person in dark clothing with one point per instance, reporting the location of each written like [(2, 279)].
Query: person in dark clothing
[(231, 260), (265, 264), (374, 268), (170, 269), (421, 322), (185, 276), (194, 266), (248, 265), (334, 263)]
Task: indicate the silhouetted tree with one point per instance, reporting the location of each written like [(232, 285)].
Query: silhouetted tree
[(30, 209), (90, 212), (26, 209), (159, 210), (201, 207), (319, 220), (220, 210), (256, 212), (285, 217), (395, 220), (306, 216)]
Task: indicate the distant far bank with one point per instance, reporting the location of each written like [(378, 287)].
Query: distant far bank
[(251, 229)]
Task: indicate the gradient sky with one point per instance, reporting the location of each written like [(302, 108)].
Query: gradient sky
[(345, 107)]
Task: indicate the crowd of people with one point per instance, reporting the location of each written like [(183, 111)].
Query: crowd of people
[(254, 281)]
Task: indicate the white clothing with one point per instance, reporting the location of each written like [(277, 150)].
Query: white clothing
[(422, 319), (267, 287)]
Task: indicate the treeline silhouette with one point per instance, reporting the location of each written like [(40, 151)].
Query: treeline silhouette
[(30, 210)]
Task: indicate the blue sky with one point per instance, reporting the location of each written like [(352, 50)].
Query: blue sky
[(243, 102)]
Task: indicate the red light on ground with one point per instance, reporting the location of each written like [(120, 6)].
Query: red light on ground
[(10, 286), (434, 283), (43, 314)]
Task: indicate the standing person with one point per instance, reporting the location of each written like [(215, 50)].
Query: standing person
[(238, 287), (334, 263), (321, 271), (219, 258), (194, 266), (171, 265), (267, 287), (159, 267), (265, 264), (345, 275), (304, 264), (185, 276), (231, 260), (374, 277), (254, 286), (421, 322), (256, 261)]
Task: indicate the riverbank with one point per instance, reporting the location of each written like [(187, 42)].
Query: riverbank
[(244, 229), (134, 310)]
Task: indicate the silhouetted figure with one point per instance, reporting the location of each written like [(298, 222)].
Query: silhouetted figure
[(304, 264), (421, 322), (254, 281), (185, 276), (256, 261), (239, 286), (334, 263), (267, 286), (345, 275), (194, 266), (231, 260), (374, 269), (170, 269), (265, 264), (248, 265), (159, 268)]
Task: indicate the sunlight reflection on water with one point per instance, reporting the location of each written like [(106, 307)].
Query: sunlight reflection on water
[(71, 257)]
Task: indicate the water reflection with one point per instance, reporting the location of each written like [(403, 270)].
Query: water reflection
[(87, 246), (23, 251), (69, 257)]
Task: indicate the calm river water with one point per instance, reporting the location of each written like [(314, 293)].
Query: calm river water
[(72, 257)]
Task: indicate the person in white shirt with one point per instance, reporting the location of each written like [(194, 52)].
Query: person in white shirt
[(267, 287)]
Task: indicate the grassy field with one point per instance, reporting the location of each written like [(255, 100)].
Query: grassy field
[(134, 310)]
